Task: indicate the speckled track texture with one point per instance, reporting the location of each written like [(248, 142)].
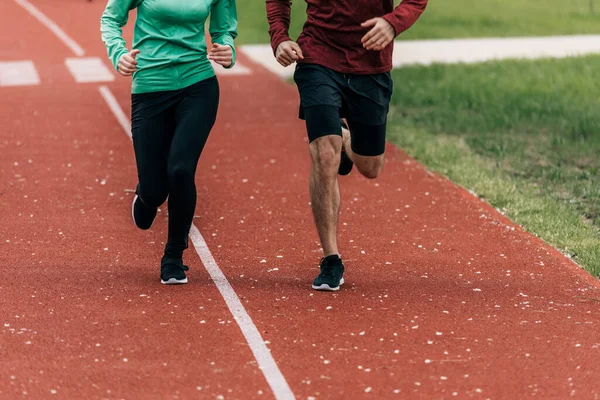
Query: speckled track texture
[(445, 298)]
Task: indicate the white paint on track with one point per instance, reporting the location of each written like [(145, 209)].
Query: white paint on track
[(48, 23), (237, 70), (89, 69), (261, 352), (18, 73), (114, 106)]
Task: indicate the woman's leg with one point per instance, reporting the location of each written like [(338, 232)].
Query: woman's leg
[(152, 128), (195, 116)]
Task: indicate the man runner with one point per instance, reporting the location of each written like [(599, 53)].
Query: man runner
[(344, 57)]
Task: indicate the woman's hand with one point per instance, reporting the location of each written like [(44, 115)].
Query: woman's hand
[(127, 63), (222, 55)]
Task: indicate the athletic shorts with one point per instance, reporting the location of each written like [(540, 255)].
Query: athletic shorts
[(364, 100)]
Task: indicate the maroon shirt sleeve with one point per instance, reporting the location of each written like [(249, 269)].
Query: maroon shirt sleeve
[(278, 15), (405, 15)]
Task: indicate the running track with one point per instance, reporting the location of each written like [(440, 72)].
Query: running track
[(445, 297)]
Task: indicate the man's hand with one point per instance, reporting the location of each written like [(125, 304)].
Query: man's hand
[(288, 53), (381, 34), (222, 55), (127, 63)]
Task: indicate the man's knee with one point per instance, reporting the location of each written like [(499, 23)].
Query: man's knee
[(370, 167), (325, 153)]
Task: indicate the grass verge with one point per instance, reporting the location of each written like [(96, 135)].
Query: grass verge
[(524, 135)]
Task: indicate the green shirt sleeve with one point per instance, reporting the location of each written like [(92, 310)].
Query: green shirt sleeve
[(223, 24), (114, 18)]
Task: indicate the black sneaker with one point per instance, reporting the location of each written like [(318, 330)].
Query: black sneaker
[(172, 272), (332, 274), (346, 163), (142, 215)]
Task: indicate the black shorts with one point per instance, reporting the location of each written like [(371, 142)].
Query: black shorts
[(364, 100)]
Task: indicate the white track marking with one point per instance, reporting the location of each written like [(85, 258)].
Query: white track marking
[(263, 55), (18, 73), (261, 352), (89, 69), (70, 43), (237, 70), (114, 106)]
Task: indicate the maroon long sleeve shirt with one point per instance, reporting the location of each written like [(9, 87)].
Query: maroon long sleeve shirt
[(332, 34)]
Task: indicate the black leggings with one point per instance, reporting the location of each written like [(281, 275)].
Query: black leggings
[(169, 131)]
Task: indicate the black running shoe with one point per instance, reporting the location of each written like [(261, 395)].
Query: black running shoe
[(172, 272), (346, 163), (142, 215), (332, 274)]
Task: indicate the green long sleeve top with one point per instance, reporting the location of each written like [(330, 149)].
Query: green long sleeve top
[(170, 37)]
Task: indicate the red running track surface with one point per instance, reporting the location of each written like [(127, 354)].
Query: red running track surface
[(444, 296)]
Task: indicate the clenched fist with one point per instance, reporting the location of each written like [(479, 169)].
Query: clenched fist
[(222, 55), (128, 63), (288, 53)]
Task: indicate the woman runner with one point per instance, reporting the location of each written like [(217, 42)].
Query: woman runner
[(174, 101)]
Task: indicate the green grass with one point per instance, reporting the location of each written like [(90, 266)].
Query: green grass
[(524, 135), (456, 18), (479, 18), (253, 25)]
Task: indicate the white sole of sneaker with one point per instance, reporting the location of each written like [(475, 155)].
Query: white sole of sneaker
[(327, 288), (135, 198), (132, 207), (174, 281)]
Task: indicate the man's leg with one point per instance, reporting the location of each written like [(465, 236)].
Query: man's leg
[(324, 189), (372, 142), (368, 100), (321, 102), (325, 148)]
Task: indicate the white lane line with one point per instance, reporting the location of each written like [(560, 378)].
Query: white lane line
[(70, 43), (114, 106), (18, 73), (261, 352), (89, 69)]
